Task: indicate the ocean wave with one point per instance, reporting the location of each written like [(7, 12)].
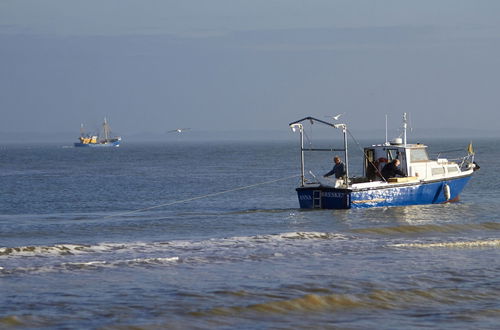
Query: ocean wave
[(78, 249), (74, 257), (38, 250), (58, 249), (18, 321), (92, 265), (301, 236), (374, 300), (313, 235), (118, 263), (441, 228), (458, 245)]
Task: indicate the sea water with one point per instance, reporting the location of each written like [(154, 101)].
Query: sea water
[(197, 235)]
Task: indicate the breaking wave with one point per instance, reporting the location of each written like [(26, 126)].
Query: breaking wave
[(74, 257), (462, 244), (76, 249), (58, 249), (92, 265)]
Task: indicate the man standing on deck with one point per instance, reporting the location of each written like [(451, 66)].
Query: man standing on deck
[(338, 169)]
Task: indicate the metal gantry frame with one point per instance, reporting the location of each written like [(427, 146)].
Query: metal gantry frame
[(298, 124)]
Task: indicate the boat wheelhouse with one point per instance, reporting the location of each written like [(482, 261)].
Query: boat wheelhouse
[(426, 181)]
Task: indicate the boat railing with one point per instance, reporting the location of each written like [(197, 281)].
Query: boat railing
[(465, 162)]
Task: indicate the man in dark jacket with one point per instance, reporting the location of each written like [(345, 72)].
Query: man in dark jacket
[(338, 169), (391, 169)]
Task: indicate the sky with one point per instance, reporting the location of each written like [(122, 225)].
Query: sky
[(243, 66)]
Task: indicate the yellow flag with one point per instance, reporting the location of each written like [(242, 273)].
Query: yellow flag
[(470, 150)]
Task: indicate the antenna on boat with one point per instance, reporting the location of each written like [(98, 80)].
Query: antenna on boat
[(386, 140), (405, 125)]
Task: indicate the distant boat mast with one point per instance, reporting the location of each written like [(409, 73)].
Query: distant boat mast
[(105, 128)]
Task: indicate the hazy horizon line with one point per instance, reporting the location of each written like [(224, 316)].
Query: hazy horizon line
[(245, 134)]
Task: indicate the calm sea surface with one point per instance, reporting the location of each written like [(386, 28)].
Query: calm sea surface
[(124, 238)]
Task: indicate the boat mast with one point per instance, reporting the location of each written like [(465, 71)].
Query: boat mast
[(105, 129)]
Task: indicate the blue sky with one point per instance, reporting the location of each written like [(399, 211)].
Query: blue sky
[(151, 66)]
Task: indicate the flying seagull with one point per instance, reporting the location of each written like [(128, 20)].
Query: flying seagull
[(336, 117), (178, 130)]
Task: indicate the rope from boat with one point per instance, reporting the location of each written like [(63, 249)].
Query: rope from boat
[(203, 196)]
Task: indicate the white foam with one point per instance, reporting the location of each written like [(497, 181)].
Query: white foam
[(312, 235), (116, 263), (70, 249), (94, 264), (73, 257), (77, 249), (62, 249), (460, 244)]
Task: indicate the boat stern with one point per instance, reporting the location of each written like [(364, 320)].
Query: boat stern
[(320, 197)]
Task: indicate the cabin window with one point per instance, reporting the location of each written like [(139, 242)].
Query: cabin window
[(452, 169), (392, 154), (418, 155), (438, 171)]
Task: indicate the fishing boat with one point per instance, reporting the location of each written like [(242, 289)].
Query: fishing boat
[(94, 140), (425, 181)]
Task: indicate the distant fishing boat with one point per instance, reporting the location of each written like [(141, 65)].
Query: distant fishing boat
[(89, 140), (426, 181)]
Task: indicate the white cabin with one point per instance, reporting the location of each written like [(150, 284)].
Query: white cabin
[(414, 161)]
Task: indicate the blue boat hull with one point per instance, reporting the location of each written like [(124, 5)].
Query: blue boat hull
[(398, 195), (97, 145)]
